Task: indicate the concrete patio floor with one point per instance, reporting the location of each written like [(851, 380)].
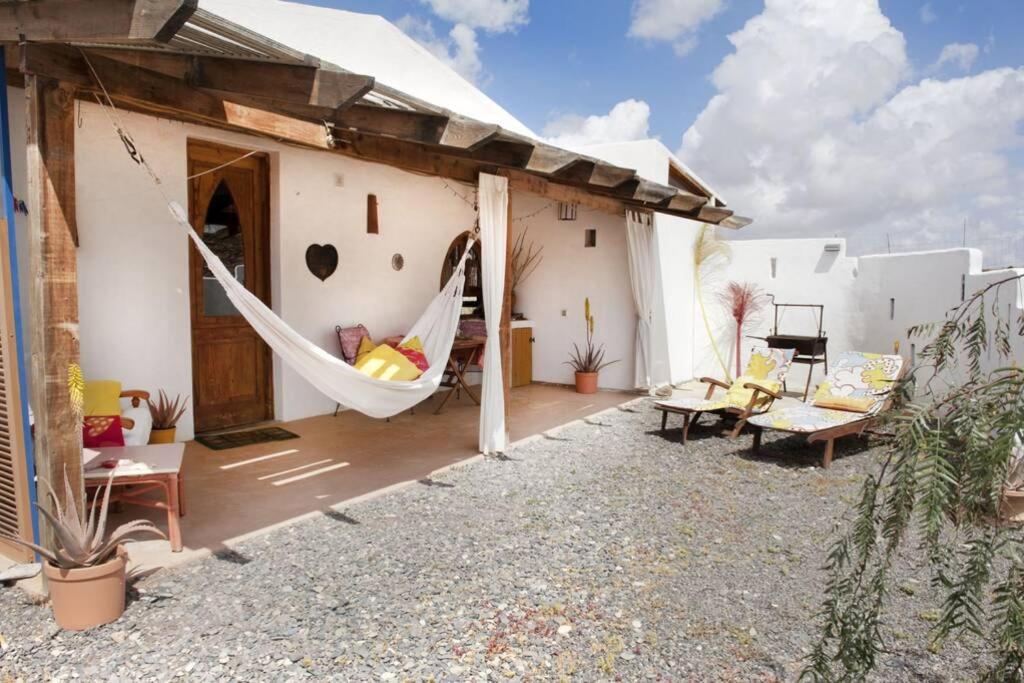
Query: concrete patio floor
[(235, 494)]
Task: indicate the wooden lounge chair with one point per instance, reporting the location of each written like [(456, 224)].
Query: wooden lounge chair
[(858, 388), (749, 394)]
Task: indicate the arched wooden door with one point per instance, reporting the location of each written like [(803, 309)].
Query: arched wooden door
[(231, 365)]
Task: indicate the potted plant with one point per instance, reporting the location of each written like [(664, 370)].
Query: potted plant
[(85, 571), (166, 414), (588, 361)]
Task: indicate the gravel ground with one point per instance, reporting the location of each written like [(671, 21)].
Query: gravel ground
[(605, 551)]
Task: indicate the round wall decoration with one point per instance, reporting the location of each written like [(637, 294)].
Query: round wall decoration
[(398, 262), (322, 260)]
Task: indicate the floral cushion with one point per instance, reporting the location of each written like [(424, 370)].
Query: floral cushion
[(769, 365), (868, 377), (804, 418), (693, 403)]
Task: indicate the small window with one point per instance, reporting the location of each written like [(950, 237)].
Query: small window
[(892, 309), (775, 266), (590, 237), (913, 353), (963, 287)]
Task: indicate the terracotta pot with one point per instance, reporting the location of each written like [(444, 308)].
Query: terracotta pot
[(1011, 508), (586, 382), (87, 597), (162, 435)]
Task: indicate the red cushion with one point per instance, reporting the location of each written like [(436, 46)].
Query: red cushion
[(102, 430), (415, 357)]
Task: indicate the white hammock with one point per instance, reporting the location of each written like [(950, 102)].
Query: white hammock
[(331, 375)]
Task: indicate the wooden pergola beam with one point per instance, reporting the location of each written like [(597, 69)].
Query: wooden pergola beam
[(73, 21), (475, 146), (50, 137), (299, 84), (158, 93)]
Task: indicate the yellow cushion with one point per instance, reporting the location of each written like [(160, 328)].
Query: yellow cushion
[(853, 404), (739, 396), (413, 343), (385, 362), (102, 397), (366, 345)]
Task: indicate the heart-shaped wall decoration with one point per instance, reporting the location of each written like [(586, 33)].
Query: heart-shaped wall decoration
[(322, 260)]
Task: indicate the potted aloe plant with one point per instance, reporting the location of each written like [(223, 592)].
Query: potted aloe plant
[(166, 414), (85, 570), (588, 361)]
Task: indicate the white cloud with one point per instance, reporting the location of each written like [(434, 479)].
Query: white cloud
[(493, 16), (814, 131), (927, 14), (674, 21), (962, 55), (627, 120), (459, 49)]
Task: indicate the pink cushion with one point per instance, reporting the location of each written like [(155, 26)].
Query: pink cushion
[(350, 337), (416, 357)]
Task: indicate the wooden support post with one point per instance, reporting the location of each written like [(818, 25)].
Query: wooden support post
[(50, 136), (505, 329)]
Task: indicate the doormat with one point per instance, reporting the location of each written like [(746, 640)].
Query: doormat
[(220, 442)]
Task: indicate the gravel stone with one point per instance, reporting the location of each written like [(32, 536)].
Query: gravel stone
[(602, 551)]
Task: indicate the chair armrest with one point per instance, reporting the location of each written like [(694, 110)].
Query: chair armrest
[(758, 388), (716, 382), (136, 395), (712, 383)]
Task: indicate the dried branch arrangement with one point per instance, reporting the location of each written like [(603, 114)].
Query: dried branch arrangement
[(525, 259)]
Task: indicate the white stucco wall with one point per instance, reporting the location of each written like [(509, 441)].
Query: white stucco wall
[(856, 293), (133, 260), (567, 275)]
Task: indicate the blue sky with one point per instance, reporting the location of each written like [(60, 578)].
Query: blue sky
[(574, 56), (882, 121)]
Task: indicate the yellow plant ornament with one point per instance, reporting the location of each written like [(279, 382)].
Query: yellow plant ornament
[(76, 388)]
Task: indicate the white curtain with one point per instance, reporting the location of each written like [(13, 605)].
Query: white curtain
[(333, 376), (493, 203), (640, 243)]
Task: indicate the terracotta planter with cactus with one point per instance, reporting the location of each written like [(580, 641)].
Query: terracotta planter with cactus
[(89, 596), (586, 382), (588, 360), (85, 568)]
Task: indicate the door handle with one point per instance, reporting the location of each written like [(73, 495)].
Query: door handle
[(533, 340)]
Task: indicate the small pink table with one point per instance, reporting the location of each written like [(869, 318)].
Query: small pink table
[(153, 467)]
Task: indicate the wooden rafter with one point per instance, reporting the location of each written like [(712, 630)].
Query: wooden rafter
[(161, 94), (70, 21), (299, 84)]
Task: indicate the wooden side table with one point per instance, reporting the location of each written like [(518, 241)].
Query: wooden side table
[(153, 467)]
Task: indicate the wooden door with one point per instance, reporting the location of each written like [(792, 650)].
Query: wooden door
[(522, 356), (231, 365), (15, 517)]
